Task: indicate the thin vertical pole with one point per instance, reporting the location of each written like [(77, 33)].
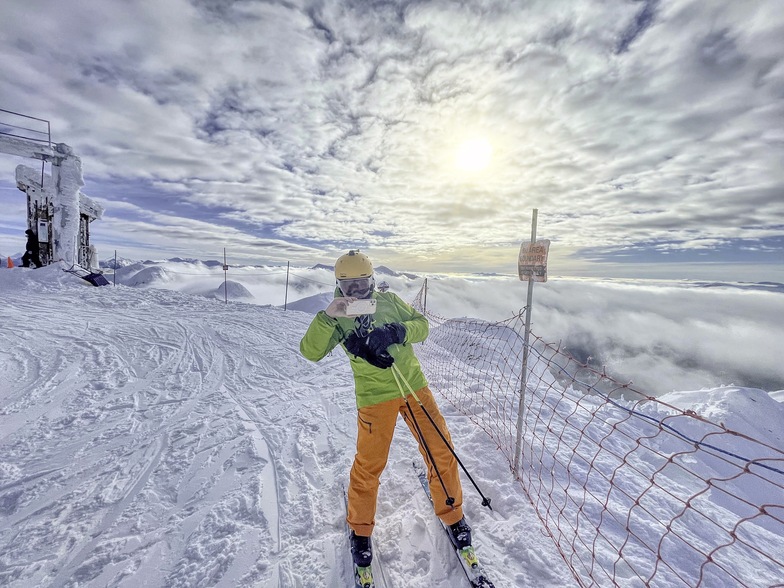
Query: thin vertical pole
[(286, 297), (424, 301), (115, 267), (49, 141), (225, 278), (524, 375)]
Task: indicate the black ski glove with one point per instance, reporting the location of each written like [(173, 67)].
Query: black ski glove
[(382, 360), (358, 346), (380, 339)]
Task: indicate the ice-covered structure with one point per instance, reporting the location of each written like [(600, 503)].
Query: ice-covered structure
[(57, 211)]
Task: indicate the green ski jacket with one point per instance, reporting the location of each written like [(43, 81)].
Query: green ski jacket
[(372, 385)]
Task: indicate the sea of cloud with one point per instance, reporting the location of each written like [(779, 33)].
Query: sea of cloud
[(662, 336)]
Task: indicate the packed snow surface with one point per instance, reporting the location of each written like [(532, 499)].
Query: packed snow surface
[(158, 438), (152, 438)]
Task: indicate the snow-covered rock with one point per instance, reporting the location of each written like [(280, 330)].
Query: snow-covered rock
[(231, 290), (745, 410), (149, 276)]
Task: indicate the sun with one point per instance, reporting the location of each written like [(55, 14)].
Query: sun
[(473, 155)]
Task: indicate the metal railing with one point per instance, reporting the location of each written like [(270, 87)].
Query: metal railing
[(8, 118)]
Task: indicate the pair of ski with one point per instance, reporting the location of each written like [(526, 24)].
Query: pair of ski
[(363, 576)]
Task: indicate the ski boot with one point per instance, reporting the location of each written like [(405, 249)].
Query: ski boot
[(460, 534), (361, 550)]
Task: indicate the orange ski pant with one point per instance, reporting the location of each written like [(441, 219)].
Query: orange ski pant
[(375, 428)]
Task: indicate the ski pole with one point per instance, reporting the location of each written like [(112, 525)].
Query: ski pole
[(396, 372), (450, 501)]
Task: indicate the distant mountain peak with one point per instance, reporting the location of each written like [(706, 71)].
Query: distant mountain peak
[(382, 269)]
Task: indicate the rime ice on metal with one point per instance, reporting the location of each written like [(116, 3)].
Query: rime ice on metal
[(57, 211)]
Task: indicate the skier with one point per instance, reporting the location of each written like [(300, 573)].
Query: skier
[(373, 343), (33, 252)]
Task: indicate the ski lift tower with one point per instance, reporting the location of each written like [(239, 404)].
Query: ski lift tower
[(57, 211)]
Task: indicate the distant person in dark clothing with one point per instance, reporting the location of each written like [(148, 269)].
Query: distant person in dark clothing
[(33, 252)]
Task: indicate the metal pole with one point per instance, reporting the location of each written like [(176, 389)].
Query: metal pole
[(524, 375), (424, 302), (49, 141), (115, 267), (225, 278), (286, 297)]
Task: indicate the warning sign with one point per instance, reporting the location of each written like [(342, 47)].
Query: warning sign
[(532, 264)]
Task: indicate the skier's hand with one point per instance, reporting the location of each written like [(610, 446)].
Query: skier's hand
[(356, 345), (337, 307), (382, 360), (381, 338)]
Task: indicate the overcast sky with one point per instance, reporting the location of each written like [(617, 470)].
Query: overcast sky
[(648, 134)]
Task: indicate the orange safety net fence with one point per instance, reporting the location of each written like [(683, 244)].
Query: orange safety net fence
[(633, 491)]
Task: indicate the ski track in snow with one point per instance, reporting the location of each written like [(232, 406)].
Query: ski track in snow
[(152, 438)]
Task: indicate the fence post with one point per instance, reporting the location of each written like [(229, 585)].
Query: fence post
[(286, 298), (524, 375)]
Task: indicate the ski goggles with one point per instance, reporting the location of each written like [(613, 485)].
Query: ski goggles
[(357, 287)]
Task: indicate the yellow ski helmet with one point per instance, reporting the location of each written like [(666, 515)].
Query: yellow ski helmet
[(353, 265)]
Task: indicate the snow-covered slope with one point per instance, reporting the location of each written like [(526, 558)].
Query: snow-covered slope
[(152, 438), (311, 304)]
